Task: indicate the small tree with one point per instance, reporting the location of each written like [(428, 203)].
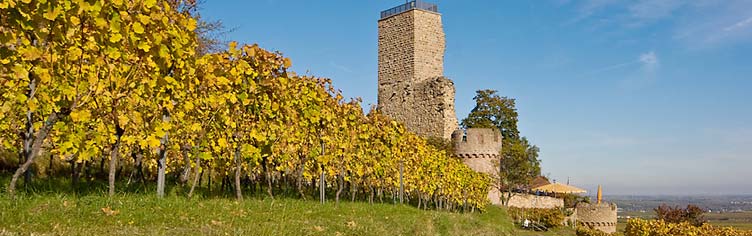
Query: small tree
[(515, 168), (692, 214), (571, 199), (518, 161)]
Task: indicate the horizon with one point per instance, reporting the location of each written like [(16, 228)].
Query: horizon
[(674, 195), (641, 97)]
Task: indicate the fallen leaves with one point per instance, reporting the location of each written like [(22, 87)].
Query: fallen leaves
[(216, 222), (109, 211)]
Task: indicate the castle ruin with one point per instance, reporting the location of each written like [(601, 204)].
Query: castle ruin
[(412, 88)]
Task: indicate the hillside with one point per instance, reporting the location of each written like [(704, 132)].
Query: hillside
[(142, 214)]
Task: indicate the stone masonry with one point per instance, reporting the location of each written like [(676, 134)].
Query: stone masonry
[(412, 89), (597, 216), (532, 201), (478, 148)]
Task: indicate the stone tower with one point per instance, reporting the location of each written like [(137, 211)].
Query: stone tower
[(412, 89), (478, 148), (600, 216)]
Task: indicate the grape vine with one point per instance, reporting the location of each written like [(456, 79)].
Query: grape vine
[(121, 81)]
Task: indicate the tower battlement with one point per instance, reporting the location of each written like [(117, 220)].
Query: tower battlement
[(478, 148), (602, 216), (416, 4), (477, 143)]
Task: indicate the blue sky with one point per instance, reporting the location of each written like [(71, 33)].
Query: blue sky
[(643, 97)]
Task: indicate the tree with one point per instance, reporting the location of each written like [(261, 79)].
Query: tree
[(493, 111), (518, 161), (517, 166), (692, 214)]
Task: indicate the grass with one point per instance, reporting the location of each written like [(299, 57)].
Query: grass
[(47, 209), (147, 215)]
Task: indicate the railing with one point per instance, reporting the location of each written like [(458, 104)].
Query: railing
[(415, 4)]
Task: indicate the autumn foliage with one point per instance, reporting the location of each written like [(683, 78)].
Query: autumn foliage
[(122, 81), (550, 218), (640, 227)]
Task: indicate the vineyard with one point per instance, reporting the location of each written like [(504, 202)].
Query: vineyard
[(123, 83), (661, 228)]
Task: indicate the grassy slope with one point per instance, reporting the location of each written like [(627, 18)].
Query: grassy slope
[(147, 215), (51, 207)]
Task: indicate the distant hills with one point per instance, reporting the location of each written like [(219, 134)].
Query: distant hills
[(715, 203)]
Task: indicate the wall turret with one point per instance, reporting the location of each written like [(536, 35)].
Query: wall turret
[(477, 143), (478, 148)]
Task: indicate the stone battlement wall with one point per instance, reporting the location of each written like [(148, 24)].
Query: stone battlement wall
[(597, 216), (533, 201), (479, 148), (477, 143)]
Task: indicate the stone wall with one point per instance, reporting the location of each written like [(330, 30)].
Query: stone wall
[(477, 142), (479, 148), (433, 108), (412, 89), (596, 216), (429, 46), (532, 201), (396, 49)]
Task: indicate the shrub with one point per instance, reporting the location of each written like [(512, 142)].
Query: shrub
[(551, 218), (692, 214), (639, 227), (571, 200)]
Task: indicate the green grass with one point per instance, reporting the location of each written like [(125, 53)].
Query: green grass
[(53, 208), (147, 215)]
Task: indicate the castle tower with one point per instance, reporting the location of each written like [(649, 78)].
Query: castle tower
[(602, 216), (412, 89), (478, 148)]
